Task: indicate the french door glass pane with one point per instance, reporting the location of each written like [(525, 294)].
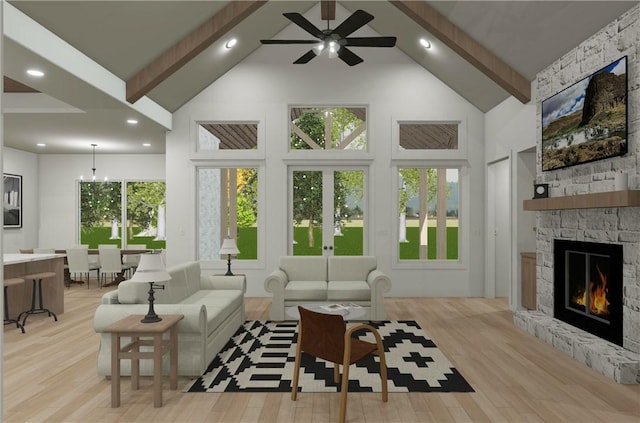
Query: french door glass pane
[(307, 213), (348, 190)]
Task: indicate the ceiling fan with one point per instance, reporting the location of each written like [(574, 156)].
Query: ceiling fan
[(335, 41)]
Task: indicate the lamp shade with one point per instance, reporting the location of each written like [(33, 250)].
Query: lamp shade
[(150, 269), (229, 247)]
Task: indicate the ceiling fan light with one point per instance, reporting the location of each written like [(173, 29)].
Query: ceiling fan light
[(318, 48), (333, 49)]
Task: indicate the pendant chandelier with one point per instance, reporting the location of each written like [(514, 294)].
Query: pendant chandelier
[(93, 169)]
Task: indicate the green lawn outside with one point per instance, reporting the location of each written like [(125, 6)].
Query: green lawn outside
[(247, 243), (349, 244), (101, 235), (410, 250)]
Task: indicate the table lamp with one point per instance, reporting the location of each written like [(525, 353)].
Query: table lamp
[(151, 270), (229, 247)]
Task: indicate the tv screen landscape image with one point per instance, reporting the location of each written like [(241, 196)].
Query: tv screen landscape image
[(588, 120)]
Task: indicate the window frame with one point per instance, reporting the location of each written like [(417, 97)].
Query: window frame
[(324, 154), (463, 218), (398, 153), (197, 153), (123, 205), (221, 263)]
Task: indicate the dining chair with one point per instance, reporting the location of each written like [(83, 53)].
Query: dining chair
[(133, 259), (78, 262), (326, 336), (111, 263)]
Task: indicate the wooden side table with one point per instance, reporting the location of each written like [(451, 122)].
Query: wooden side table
[(132, 327)]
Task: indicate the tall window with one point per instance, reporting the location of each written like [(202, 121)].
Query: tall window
[(227, 207), (102, 213), (428, 213)]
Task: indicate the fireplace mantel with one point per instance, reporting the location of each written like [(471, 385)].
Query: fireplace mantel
[(627, 198)]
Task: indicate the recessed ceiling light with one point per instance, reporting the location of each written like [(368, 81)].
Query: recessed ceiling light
[(132, 121), (232, 42), (41, 144), (146, 144), (424, 43), (35, 72)]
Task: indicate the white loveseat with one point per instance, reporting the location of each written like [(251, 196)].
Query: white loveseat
[(213, 309), (337, 279)]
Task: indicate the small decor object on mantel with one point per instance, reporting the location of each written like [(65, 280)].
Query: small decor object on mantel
[(540, 190), (622, 181)]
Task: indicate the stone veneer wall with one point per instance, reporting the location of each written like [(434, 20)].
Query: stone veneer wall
[(606, 225)]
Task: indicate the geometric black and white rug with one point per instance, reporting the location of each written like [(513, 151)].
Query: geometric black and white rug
[(260, 357)]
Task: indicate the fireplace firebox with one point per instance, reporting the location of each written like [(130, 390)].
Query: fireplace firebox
[(588, 287)]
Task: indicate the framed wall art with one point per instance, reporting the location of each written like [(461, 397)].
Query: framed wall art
[(12, 200)]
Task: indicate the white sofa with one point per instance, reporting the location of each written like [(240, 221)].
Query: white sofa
[(336, 279), (213, 309)]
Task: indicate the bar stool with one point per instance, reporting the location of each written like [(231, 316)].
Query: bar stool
[(37, 282), (8, 283)]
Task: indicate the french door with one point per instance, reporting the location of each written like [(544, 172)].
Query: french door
[(327, 211)]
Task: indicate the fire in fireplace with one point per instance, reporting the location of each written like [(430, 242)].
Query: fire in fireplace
[(588, 287)]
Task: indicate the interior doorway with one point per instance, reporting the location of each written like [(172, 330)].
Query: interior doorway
[(498, 281)]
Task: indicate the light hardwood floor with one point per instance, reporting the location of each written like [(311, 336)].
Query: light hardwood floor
[(50, 376)]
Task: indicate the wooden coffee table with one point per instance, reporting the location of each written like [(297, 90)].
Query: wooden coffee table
[(132, 327)]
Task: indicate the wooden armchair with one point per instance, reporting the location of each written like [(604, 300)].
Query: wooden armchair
[(326, 336)]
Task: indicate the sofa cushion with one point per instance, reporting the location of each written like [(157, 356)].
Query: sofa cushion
[(348, 291), (350, 268), (133, 292), (306, 290), (184, 277), (304, 268), (219, 304)]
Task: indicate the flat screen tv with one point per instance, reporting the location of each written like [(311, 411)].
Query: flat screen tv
[(588, 120)]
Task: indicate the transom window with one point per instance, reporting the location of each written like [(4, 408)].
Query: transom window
[(429, 136), (227, 136), (328, 128)]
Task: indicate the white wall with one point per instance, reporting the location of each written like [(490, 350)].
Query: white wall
[(510, 131), (25, 164), (58, 175), (393, 87)]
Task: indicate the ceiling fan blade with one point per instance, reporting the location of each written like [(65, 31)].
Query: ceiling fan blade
[(349, 57), (371, 42), (357, 20), (303, 23), (305, 58), (289, 41)]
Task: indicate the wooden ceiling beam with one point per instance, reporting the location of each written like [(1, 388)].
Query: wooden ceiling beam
[(472, 51), (189, 47), (328, 10), (13, 86)]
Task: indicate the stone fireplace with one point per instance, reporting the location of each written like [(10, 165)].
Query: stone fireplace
[(587, 287), (585, 206)]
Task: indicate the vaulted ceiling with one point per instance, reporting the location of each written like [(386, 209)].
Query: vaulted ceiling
[(112, 60)]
